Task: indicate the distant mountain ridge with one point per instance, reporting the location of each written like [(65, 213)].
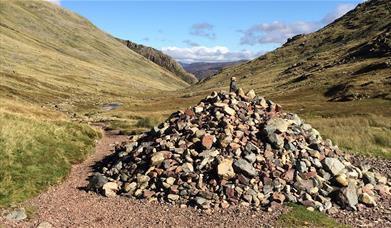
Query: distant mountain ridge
[(160, 59), (204, 70)]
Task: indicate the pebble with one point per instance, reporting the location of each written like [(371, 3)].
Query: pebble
[(17, 215), (45, 225)]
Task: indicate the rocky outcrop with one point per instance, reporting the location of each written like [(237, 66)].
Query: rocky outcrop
[(161, 59)]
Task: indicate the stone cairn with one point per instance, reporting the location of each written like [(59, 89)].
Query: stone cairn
[(237, 149)]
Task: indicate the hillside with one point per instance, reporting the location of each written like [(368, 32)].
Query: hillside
[(204, 70), (160, 59), (54, 60), (349, 59), (49, 54)]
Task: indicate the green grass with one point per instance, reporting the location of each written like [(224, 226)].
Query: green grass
[(36, 153), (146, 122), (370, 135), (299, 216)]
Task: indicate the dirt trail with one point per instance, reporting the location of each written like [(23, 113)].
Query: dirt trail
[(65, 205)]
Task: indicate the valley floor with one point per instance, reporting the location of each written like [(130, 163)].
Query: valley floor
[(68, 205)]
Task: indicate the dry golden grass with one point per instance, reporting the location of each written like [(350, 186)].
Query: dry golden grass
[(370, 135), (49, 54)]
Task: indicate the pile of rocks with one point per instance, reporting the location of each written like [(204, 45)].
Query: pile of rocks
[(237, 149)]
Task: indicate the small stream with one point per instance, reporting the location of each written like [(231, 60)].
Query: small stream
[(111, 106)]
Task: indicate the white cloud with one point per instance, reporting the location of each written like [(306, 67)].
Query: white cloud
[(208, 54), (279, 32), (275, 32), (57, 2), (338, 12)]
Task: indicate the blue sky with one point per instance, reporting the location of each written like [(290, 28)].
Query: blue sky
[(193, 31)]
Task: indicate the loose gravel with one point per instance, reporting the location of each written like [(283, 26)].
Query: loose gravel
[(68, 205)]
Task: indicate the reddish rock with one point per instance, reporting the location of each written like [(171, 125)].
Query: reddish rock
[(278, 197), (189, 112), (289, 175), (230, 192), (207, 141), (309, 175), (174, 189), (148, 194), (234, 146)]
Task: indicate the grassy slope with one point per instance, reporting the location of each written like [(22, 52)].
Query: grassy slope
[(314, 63), (299, 75), (51, 56)]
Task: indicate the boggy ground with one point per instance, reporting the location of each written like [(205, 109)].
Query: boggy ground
[(67, 205)]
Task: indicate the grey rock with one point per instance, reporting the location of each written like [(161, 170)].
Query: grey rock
[(276, 140), (369, 178), (301, 166), (201, 202), (17, 215), (277, 124), (96, 182), (348, 196), (242, 166), (333, 165), (251, 157), (251, 148)]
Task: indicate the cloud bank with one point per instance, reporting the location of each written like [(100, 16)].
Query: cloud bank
[(208, 54), (338, 12), (275, 32), (279, 32)]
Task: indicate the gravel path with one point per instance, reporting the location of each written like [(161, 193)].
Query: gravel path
[(379, 216), (66, 205)]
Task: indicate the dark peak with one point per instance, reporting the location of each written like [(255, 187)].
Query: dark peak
[(160, 59)]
